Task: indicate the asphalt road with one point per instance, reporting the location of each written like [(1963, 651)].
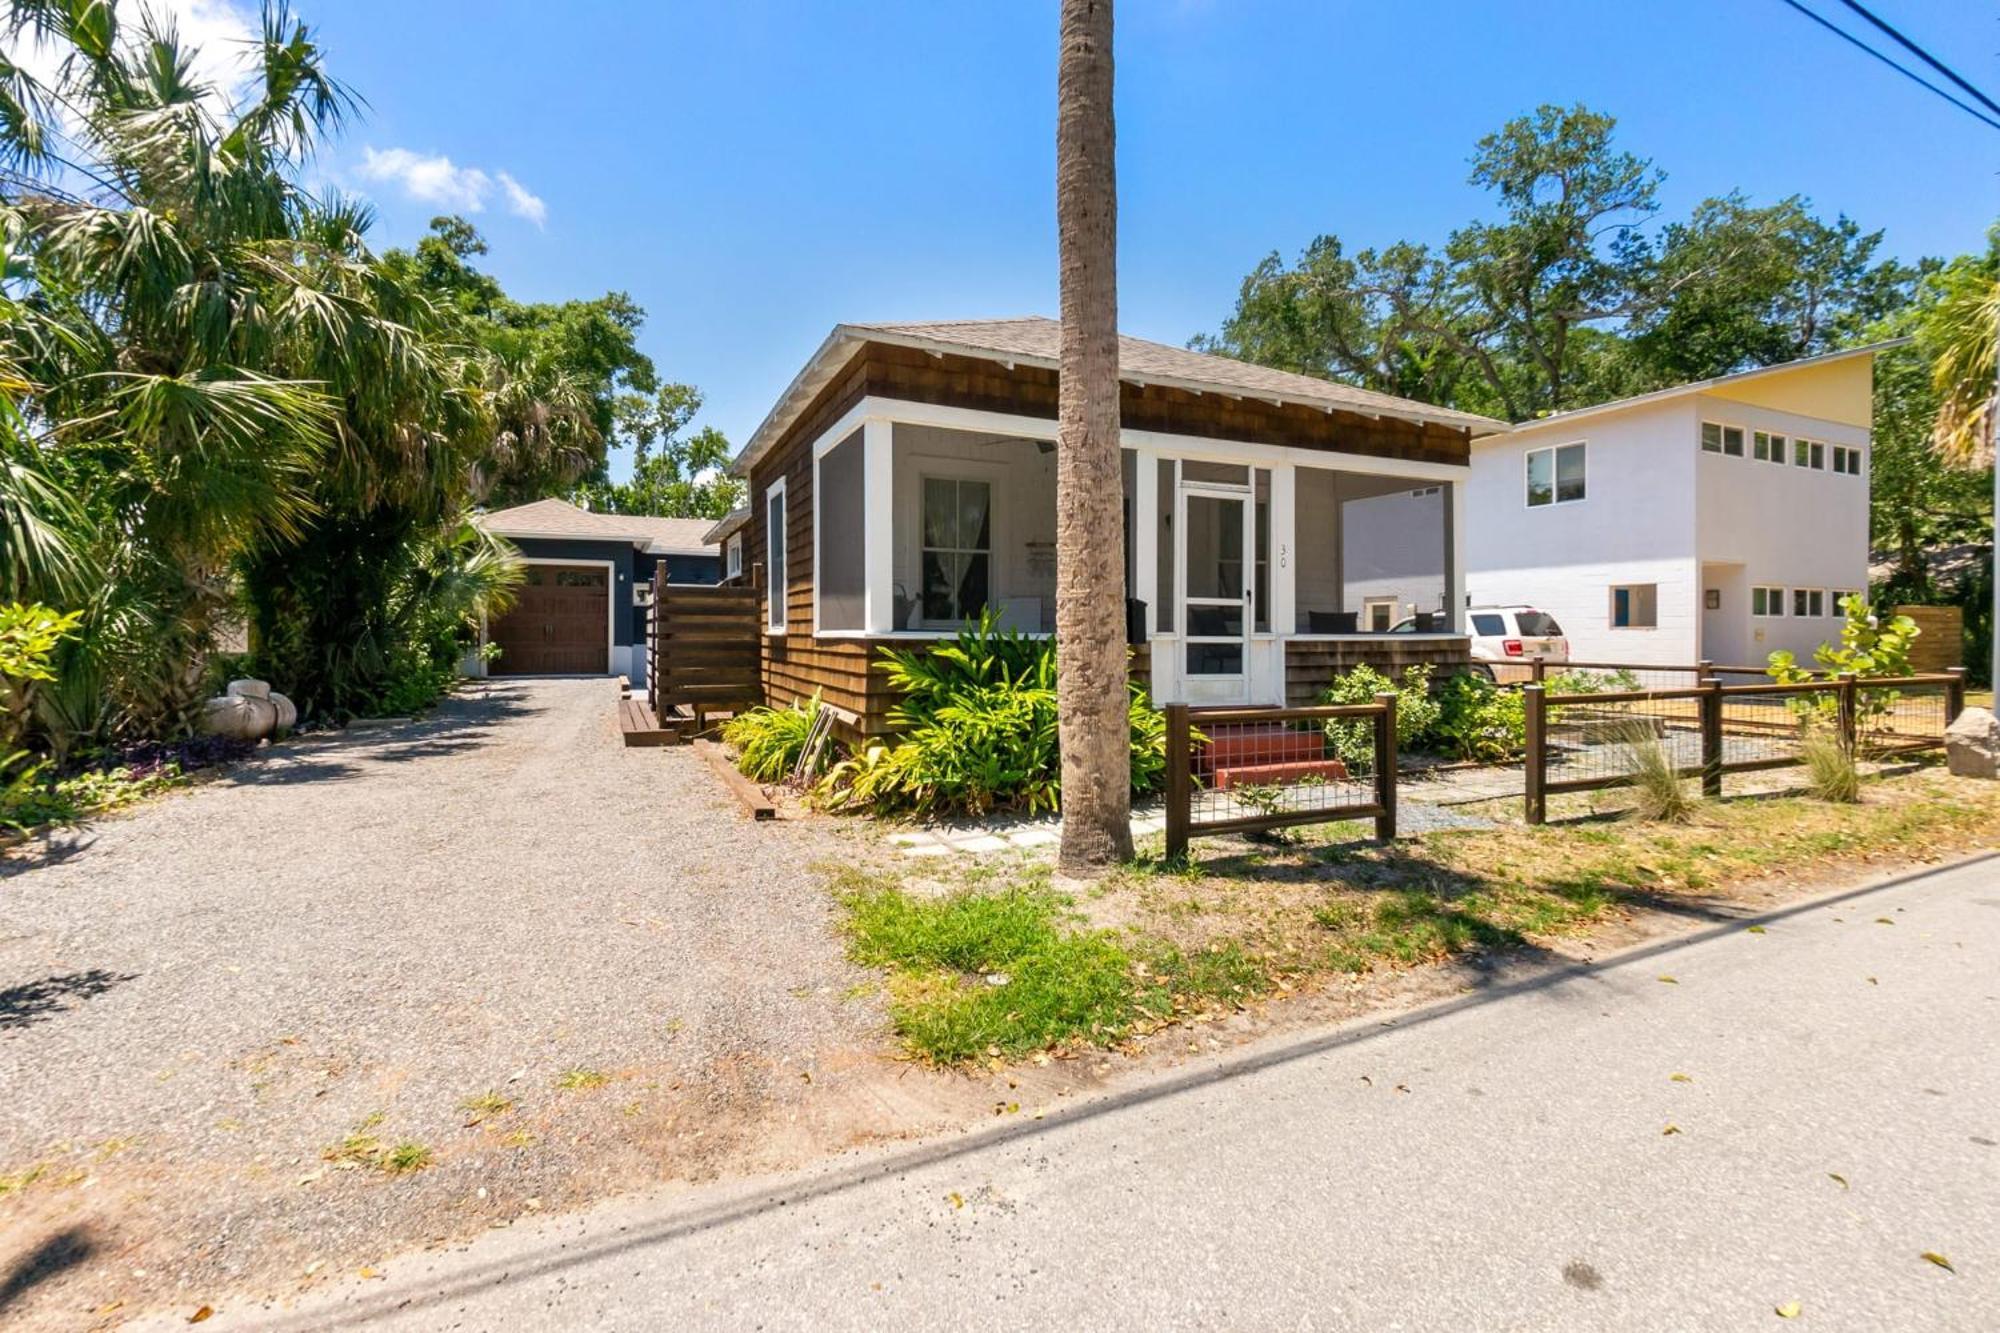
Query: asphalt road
[(1500, 1162)]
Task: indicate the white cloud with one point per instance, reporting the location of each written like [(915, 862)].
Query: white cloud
[(522, 203), (436, 179)]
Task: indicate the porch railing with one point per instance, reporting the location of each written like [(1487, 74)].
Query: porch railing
[(1249, 770)]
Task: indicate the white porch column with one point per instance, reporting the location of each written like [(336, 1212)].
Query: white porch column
[(1146, 534), (1455, 585), (878, 492), (1284, 608)]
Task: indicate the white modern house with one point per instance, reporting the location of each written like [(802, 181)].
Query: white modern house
[(1720, 520)]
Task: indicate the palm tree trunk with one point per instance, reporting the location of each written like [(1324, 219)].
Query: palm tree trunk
[(1090, 569)]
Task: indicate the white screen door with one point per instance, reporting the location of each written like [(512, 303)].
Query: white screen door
[(1215, 599)]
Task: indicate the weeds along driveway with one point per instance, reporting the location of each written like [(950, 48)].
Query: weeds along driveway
[(375, 940)]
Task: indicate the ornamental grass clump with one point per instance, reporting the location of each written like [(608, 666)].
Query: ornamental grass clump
[(1661, 795), (1831, 773)]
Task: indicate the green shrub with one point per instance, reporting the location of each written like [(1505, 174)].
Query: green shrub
[(1869, 646), (1417, 712), (1479, 720), (978, 731), (769, 741), (29, 636)]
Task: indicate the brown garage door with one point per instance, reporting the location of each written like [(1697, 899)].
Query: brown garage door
[(559, 624)]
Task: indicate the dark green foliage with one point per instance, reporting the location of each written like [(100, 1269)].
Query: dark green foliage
[(1478, 719), (1417, 712), (977, 730), (1570, 294)]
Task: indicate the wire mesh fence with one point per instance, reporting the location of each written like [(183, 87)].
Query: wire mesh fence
[(1586, 741), (1251, 769)]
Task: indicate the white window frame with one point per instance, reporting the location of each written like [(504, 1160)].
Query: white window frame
[(992, 484), (1555, 475), (1814, 452), (1611, 605), (777, 573), (1701, 437), (1809, 595), (1779, 601), (1847, 459), (732, 556), (1776, 447), (1834, 598)]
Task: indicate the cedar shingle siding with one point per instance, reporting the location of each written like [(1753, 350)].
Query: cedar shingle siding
[(796, 664)]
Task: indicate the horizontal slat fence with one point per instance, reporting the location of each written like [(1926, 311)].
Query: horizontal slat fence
[(704, 648)]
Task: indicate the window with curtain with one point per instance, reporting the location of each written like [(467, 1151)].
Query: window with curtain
[(957, 548)]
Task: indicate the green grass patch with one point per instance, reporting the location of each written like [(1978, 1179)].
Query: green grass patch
[(977, 974)]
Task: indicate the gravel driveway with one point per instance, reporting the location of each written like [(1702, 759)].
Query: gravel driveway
[(358, 935)]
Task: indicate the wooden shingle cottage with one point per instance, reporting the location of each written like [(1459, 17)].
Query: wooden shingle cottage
[(1277, 525)]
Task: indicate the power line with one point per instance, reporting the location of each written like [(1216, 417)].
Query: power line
[(1903, 70), (1924, 56)]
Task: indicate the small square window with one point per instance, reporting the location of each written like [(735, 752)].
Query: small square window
[(1767, 601), (1808, 602), (1767, 448), (1711, 438), (1635, 606), (1732, 441)]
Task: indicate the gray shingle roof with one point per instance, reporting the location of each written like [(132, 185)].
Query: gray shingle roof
[(560, 518), (1039, 339), (1036, 340)]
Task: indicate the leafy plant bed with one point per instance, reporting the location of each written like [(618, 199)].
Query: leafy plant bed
[(132, 774), (1002, 964)]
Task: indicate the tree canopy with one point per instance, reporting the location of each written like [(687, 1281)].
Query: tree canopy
[(1575, 290)]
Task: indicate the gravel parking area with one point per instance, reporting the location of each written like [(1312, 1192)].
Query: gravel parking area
[(557, 966)]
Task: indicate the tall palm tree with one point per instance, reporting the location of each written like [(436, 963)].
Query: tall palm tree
[(1091, 690), (1964, 337)]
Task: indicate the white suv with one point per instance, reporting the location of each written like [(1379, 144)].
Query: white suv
[(1515, 635)]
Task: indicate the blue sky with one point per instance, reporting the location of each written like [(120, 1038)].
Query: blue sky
[(753, 172)]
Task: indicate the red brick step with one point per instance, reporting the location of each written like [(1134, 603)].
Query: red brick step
[(1246, 775)]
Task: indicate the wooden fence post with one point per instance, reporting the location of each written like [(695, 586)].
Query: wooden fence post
[(1537, 669), (1704, 670), (655, 644), (1385, 767), (1180, 780), (1711, 736), (1954, 694), (1537, 758), (1849, 711)]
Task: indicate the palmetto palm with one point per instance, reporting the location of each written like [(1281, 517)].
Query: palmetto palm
[(238, 386), (1963, 337)]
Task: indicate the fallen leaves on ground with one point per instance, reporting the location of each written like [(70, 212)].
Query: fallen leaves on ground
[(1934, 1257), (1789, 1310)]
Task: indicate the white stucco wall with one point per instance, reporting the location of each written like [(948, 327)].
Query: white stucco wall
[(1636, 524), (1777, 525), (1661, 510)]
